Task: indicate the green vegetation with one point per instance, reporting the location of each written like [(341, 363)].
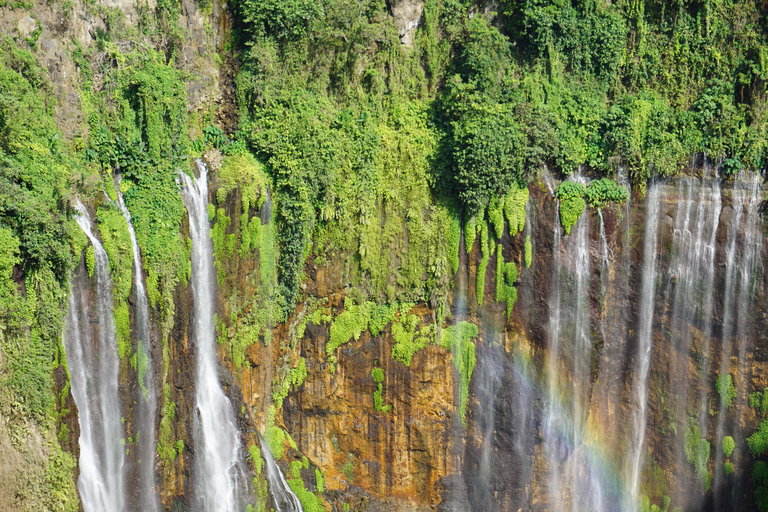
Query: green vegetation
[(484, 259), (409, 339), (514, 207), (294, 378), (378, 378), (528, 252), (726, 389), (758, 441), (506, 276), (760, 481), (458, 339), (575, 197), (572, 203), (37, 240), (142, 131), (728, 446), (728, 468), (759, 401), (697, 452), (309, 501)]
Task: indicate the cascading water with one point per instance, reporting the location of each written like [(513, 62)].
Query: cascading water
[(742, 255), (93, 364), (572, 478), (284, 498), (220, 482), (147, 404), (689, 299), (645, 343)]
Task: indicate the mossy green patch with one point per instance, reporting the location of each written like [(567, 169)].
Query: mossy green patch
[(458, 339)]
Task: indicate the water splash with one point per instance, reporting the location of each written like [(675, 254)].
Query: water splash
[(93, 364), (220, 481), (147, 407)]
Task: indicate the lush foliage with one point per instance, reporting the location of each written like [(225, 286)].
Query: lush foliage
[(728, 446), (572, 203), (506, 276), (36, 241), (726, 389), (458, 339), (378, 400), (697, 451)]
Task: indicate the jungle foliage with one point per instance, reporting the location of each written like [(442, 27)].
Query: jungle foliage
[(355, 127)]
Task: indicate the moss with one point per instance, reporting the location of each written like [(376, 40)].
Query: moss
[(319, 481), (166, 447), (528, 252), (258, 462), (572, 203), (483, 266), (506, 275), (728, 467), (122, 328), (458, 339), (294, 378), (275, 438), (309, 502), (454, 240), (378, 401), (697, 451), (496, 216), (90, 260), (349, 324), (380, 317), (726, 389), (470, 233), (409, 339), (514, 208)]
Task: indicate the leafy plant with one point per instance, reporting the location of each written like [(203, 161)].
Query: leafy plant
[(726, 389)]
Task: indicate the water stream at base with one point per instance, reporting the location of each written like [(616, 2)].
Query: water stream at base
[(147, 404), (219, 470), (284, 498), (93, 363)]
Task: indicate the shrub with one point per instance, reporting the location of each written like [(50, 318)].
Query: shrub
[(726, 389), (728, 466), (728, 446), (758, 442), (572, 203)]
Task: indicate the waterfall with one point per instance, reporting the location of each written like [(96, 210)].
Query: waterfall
[(93, 365), (220, 482), (645, 343), (742, 255), (284, 498), (571, 477), (147, 405)]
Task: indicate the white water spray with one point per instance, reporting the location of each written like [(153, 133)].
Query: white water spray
[(146, 408), (93, 364), (220, 481)]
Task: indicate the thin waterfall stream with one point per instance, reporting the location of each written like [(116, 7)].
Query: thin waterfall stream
[(93, 363), (147, 404), (220, 477), (645, 342)]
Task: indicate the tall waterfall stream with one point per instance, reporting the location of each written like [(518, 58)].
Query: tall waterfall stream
[(93, 362), (220, 477)]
